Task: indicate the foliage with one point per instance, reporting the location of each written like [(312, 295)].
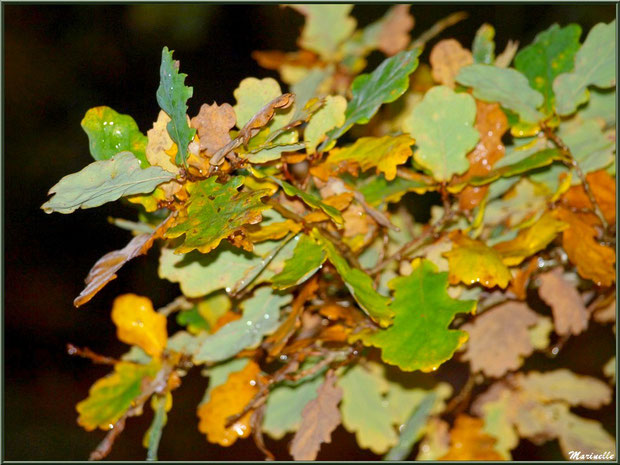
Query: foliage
[(311, 297)]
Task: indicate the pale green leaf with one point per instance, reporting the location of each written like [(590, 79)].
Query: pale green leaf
[(307, 258), (594, 65), (104, 181), (506, 86), (330, 116), (443, 112), (252, 95)]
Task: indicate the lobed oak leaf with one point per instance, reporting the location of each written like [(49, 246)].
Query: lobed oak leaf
[(159, 144), (570, 315), (104, 270), (228, 399), (320, 417), (137, 323), (499, 339), (215, 211), (447, 57), (593, 260), (468, 441), (394, 35), (603, 187), (471, 261), (213, 124), (328, 117)]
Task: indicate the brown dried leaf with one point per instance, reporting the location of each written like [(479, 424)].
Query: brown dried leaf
[(593, 260), (468, 441), (320, 418), (604, 311), (499, 339), (275, 59), (104, 270), (447, 58), (570, 315), (491, 123), (213, 124), (262, 118), (394, 35)]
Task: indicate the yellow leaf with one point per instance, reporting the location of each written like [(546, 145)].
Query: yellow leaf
[(472, 262), (530, 240), (159, 143), (273, 231), (468, 441), (139, 324), (229, 399)]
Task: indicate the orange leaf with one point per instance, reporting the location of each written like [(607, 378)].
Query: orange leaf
[(570, 315), (226, 400), (593, 260), (106, 267), (447, 58), (274, 59), (491, 123), (213, 124), (137, 323), (469, 442), (519, 283), (603, 188), (320, 417)]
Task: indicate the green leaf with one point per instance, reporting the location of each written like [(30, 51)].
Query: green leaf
[(360, 285), (384, 85), (594, 65), (364, 410), (193, 320), (587, 144), (329, 116), (483, 48), (306, 260), (309, 200), (285, 404), (260, 317), (442, 112), (104, 181), (216, 211), (172, 96), (111, 396), (110, 133), (506, 86), (153, 434), (532, 162), (420, 339), (412, 429), (601, 107), (551, 54), (327, 26), (378, 191)]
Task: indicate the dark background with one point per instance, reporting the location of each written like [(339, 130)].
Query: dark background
[(61, 60)]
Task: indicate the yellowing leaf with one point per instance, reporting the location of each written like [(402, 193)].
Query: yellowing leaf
[(111, 396), (330, 116), (593, 260), (570, 315), (447, 58), (273, 231), (137, 323), (530, 240), (320, 417), (159, 143), (499, 339), (469, 442), (471, 261), (383, 153), (603, 187), (216, 211), (229, 399), (419, 338)]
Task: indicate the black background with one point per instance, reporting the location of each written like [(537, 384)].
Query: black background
[(61, 60)]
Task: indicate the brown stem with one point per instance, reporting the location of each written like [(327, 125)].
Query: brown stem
[(89, 354), (438, 28), (256, 422), (180, 303), (105, 446), (571, 162), (462, 395)]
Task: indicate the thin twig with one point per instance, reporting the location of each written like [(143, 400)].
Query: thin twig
[(180, 303), (256, 422), (438, 28), (572, 163), (462, 395), (89, 354), (105, 446)]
